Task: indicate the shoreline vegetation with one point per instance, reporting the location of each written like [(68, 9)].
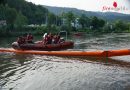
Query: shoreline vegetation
[(25, 17), (40, 30)]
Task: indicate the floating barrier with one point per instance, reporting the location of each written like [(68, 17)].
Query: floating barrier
[(99, 53)]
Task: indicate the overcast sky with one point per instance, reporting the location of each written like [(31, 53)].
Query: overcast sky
[(88, 5)]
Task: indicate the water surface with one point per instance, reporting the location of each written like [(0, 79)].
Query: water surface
[(40, 72)]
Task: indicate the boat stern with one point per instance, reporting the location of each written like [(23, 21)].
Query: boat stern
[(15, 45)]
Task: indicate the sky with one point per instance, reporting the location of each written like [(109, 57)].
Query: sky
[(88, 5)]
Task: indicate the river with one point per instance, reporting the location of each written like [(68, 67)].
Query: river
[(41, 72)]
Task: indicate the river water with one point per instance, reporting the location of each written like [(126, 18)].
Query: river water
[(40, 72)]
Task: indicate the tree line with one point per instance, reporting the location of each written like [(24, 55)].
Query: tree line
[(19, 14)]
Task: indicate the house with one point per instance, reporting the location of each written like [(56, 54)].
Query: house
[(73, 24)]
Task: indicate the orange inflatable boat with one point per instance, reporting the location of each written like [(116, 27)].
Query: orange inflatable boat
[(108, 53)]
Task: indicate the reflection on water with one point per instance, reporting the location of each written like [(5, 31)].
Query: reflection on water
[(63, 73), (102, 42), (39, 72)]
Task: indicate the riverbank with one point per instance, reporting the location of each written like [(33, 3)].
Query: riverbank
[(54, 30)]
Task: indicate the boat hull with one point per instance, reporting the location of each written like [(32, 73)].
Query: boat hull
[(41, 47)]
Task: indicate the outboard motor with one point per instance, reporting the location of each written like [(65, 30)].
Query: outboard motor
[(15, 45)]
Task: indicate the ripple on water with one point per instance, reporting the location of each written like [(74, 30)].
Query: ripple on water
[(38, 72), (65, 73)]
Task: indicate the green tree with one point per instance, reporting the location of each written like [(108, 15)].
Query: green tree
[(21, 20), (129, 26), (51, 19), (70, 18), (11, 15), (3, 2), (120, 26), (35, 13), (84, 21), (94, 22), (58, 20), (2, 12), (101, 23), (97, 23)]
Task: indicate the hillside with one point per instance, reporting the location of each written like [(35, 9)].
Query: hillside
[(28, 9), (105, 15)]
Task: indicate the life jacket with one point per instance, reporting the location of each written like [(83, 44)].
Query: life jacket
[(56, 39), (21, 40), (45, 39), (49, 39), (29, 38)]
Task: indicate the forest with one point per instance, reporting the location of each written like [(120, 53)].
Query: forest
[(19, 16)]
